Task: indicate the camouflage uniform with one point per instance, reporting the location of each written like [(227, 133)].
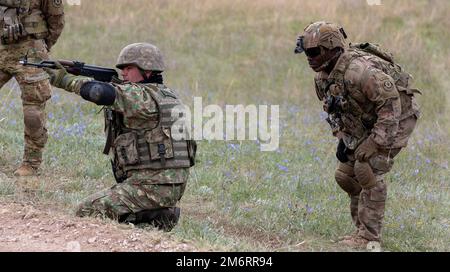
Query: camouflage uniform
[(149, 181), (371, 109), (31, 27)]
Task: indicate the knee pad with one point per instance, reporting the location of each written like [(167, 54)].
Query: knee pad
[(32, 120), (345, 180), (364, 175)]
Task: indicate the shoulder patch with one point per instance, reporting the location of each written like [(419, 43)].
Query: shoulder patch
[(57, 3), (388, 86), (55, 7), (379, 86)]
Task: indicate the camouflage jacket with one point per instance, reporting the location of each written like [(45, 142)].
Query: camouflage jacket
[(371, 102), (138, 108), (140, 112), (53, 11)]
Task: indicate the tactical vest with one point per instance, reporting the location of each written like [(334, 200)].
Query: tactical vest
[(19, 21), (345, 114), (152, 148)]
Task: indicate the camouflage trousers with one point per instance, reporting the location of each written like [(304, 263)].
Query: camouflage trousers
[(35, 91), (155, 190), (367, 205)]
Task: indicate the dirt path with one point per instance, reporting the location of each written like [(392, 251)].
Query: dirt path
[(27, 228)]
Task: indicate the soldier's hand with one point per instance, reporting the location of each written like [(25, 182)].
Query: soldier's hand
[(366, 150), (57, 75)]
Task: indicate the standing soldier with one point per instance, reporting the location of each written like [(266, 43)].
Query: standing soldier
[(29, 26), (150, 164), (372, 111)]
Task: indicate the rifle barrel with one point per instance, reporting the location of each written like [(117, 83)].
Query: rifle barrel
[(77, 68)]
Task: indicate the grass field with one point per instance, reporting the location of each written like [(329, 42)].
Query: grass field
[(241, 52)]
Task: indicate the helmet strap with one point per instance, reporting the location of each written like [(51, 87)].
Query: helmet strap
[(155, 77), (331, 60), (144, 74)]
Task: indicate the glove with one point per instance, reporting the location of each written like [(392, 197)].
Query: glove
[(48, 44), (341, 152), (366, 150), (58, 77)]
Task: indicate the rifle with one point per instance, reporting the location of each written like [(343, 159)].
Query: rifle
[(77, 68)]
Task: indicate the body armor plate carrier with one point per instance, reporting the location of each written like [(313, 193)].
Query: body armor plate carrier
[(344, 113), (151, 148)]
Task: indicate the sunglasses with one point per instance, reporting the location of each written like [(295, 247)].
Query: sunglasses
[(313, 52)]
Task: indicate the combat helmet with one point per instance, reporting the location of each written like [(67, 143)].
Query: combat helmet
[(145, 56), (321, 33)]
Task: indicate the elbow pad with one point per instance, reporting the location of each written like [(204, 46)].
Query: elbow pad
[(100, 93)]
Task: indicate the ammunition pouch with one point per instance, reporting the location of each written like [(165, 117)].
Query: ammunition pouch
[(22, 5), (11, 27), (154, 149), (126, 149), (17, 26), (160, 144), (12, 34)]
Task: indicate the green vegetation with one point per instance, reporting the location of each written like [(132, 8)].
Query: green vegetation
[(241, 52)]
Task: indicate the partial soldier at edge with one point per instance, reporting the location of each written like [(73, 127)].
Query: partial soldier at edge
[(372, 111), (29, 27)]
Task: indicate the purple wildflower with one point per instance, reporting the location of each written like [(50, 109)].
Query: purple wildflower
[(282, 167)]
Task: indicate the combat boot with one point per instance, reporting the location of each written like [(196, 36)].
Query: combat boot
[(355, 242), (168, 218), (163, 219), (25, 170)]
